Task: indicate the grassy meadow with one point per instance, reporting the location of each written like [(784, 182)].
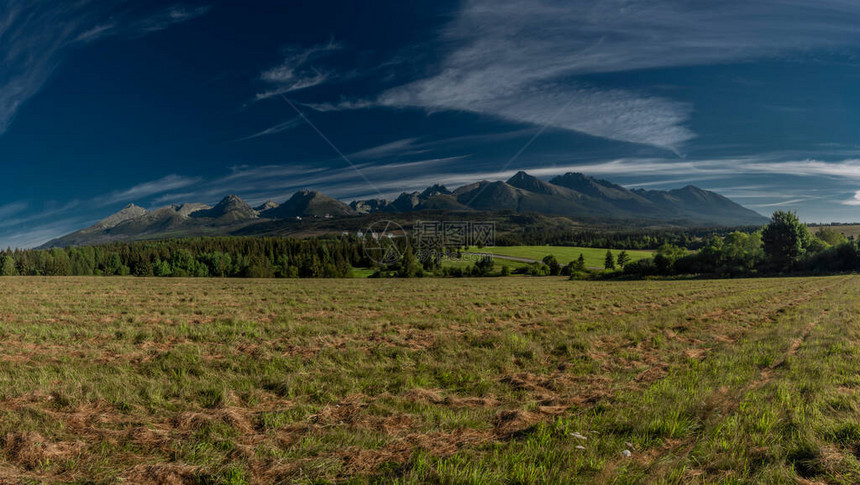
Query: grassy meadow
[(594, 257), (849, 230), (508, 380)]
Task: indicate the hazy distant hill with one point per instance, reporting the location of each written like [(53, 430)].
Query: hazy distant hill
[(574, 196)]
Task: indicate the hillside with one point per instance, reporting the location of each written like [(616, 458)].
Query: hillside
[(573, 197), (308, 203)]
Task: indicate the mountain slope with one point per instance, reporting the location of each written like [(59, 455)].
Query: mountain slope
[(94, 232), (130, 211), (694, 203), (573, 196), (616, 195), (230, 208), (368, 206), (268, 205), (308, 203), (529, 183)]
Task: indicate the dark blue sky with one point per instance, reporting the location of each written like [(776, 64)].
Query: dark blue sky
[(103, 103)]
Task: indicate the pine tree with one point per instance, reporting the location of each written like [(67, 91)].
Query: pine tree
[(580, 264), (8, 268), (609, 263), (623, 259)]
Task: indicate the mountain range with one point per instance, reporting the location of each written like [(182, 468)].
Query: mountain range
[(575, 196)]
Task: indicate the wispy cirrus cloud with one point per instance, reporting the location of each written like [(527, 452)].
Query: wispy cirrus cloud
[(22, 230), (44, 232), (273, 130), (129, 24), (12, 209), (757, 164), (146, 189), (173, 15), (527, 60), (278, 182), (784, 203), (405, 146), (297, 71), (36, 34), (408, 147), (614, 114)]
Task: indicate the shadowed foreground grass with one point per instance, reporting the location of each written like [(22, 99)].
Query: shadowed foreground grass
[(450, 381)]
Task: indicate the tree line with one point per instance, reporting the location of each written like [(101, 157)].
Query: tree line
[(249, 257), (783, 246)]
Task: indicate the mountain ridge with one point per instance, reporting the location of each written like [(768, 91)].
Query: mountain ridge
[(575, 196)]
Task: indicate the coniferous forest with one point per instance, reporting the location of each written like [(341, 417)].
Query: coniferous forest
[(248, 257)]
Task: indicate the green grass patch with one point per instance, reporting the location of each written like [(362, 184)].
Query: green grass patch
[(594, 257)]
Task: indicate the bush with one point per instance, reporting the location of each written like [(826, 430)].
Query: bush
[(483, 266), (552, 263), (844, 257), (643, 267), (533, 269)]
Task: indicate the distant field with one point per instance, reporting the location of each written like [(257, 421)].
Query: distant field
[(451, 263), (594, 257), (362, 272), (847, 229), (493, 380), (467, 261)]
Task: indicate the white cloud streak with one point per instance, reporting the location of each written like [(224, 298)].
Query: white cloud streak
[(784, 203), (397, 148), (274, 130), (521, 59), (12, 209), (146, 189), (279, 182), (296, 72), (36, 34), (845, 169), (615, 114)]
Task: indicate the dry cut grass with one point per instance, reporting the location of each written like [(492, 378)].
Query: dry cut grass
[(445, 381)]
